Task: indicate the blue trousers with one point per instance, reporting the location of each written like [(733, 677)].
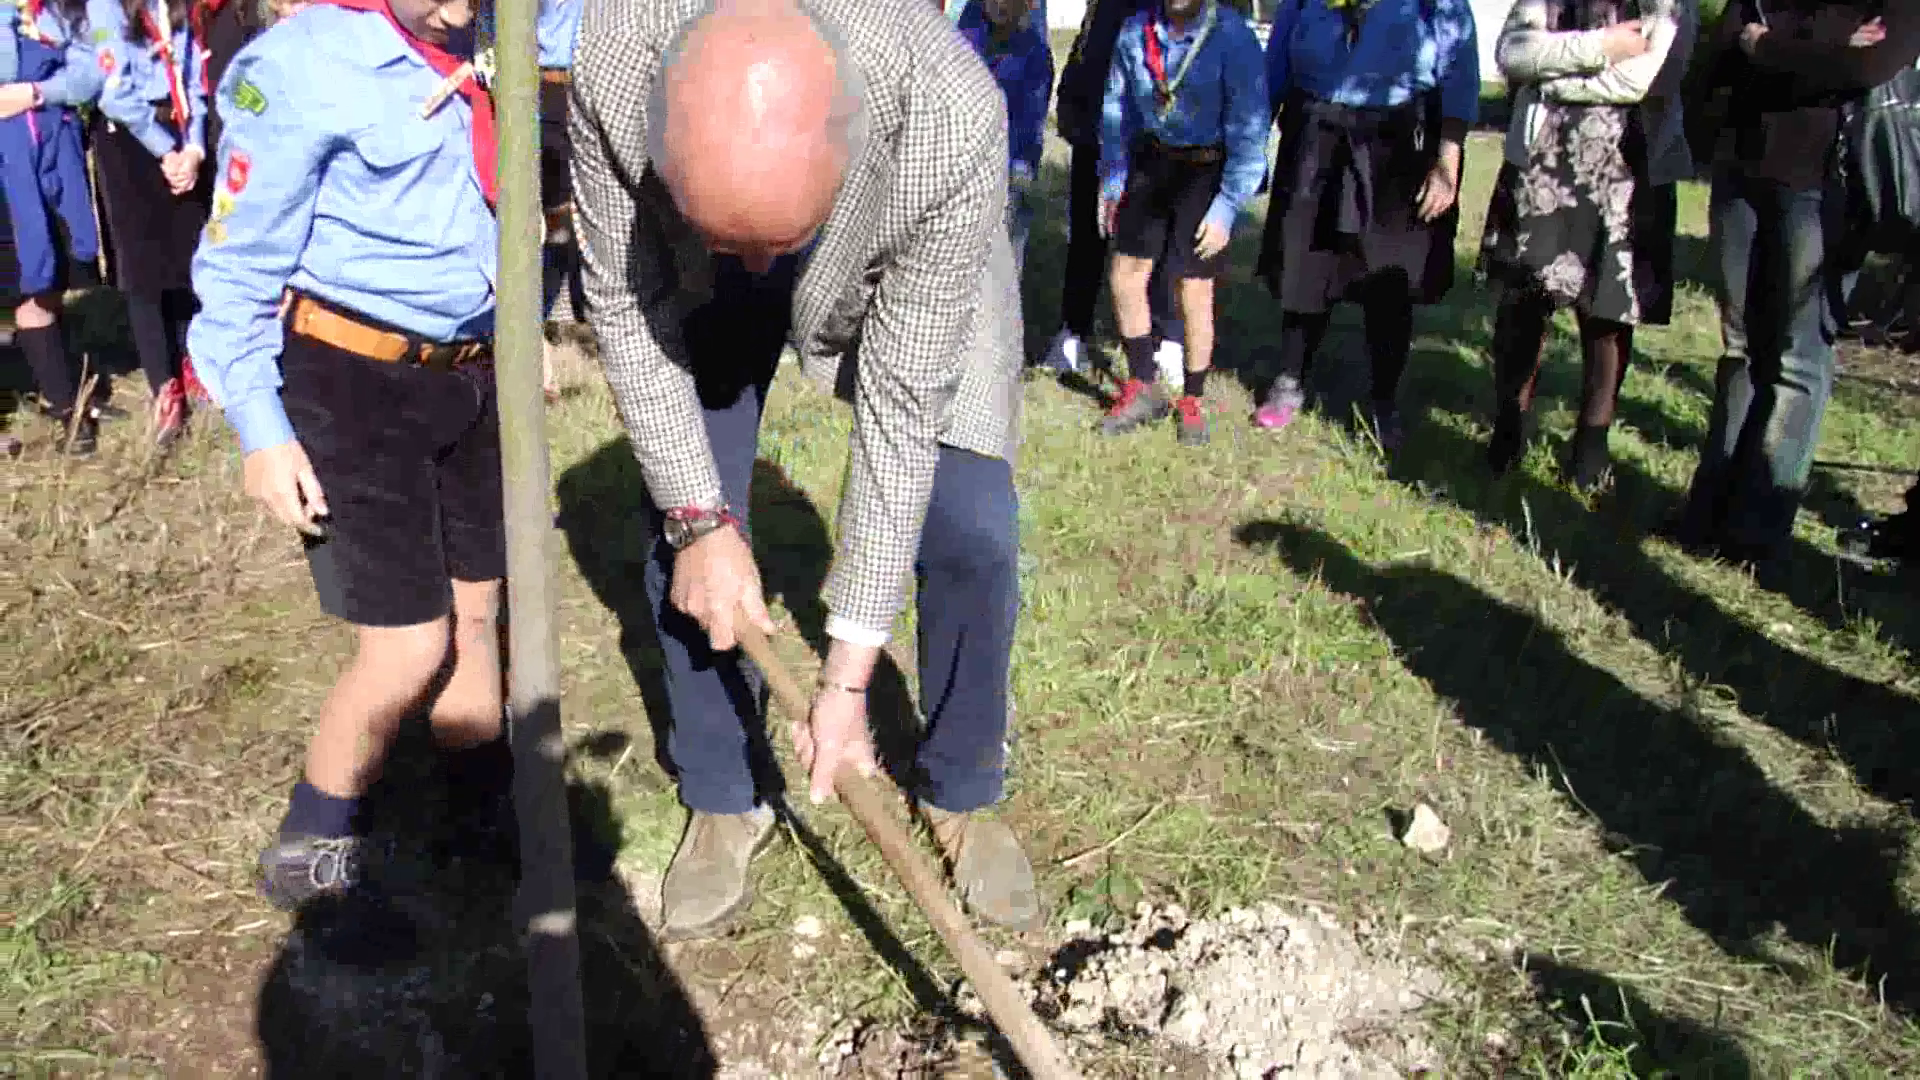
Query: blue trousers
[(43, 169), (968, 587), (1782, 293)]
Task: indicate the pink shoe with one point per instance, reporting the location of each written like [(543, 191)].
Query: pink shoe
[(1273, 417), (1281, 404)]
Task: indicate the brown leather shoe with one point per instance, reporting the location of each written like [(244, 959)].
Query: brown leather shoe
[(706, 886), (988, 868)]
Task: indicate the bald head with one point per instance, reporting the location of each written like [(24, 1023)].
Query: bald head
[(753, 121)]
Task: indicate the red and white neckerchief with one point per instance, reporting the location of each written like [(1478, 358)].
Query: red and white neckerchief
[(160, 28), (1167, 90), (30, 21)]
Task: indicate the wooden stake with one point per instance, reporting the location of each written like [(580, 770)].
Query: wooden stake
[(1032, 1043), (546, 898)]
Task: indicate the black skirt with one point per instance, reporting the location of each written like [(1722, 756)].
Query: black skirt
[(1345, 204), (151, 232)]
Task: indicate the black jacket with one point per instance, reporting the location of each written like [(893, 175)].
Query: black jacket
[(1787, 101), (1083, 79)]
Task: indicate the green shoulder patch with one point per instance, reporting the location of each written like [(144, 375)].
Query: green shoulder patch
[(248, 98)]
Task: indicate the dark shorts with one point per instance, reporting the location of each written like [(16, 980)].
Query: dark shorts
[(556, 147), (1168, 194), (409, 461)]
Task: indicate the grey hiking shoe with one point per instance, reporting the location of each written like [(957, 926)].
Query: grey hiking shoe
[(297, 870), (988, 867), (1137, 404), (706, 886)]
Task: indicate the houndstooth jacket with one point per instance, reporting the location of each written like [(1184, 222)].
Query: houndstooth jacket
[(912, 272)]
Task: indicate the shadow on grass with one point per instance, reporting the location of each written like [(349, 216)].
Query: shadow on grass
[(430, 978), (1742, 859), (1647, 1042), (1859, 720)]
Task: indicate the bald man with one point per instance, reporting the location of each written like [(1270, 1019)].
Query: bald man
[(833, 177)]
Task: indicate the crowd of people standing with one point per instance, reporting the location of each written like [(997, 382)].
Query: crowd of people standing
[(837, 176)]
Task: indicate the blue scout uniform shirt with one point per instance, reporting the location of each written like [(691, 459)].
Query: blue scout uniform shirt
[(75, 82), (555, 28), (135, 78), (331, 182), (1222, 100), (1405, 48), (1023, 66), (956, 8)]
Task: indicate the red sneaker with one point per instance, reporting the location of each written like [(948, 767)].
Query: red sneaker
[(1192, 413), (1138, 403), (170, 412)]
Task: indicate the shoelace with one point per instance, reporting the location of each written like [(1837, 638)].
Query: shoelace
[(335, 862)]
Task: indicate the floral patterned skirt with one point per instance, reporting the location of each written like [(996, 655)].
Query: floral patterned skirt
[(1578, 223)]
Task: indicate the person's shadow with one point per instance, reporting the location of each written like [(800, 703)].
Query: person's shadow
[(1742, 858), (428, 978)]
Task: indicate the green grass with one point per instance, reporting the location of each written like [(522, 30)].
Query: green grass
[(1681, 804)]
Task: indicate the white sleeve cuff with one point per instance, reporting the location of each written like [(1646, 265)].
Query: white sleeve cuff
[(854, 634)]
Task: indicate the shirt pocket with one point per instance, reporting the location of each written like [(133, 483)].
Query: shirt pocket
[(394, 147)]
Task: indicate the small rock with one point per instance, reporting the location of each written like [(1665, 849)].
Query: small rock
[(1078, 927), (1426, 832), (1008, 958), (808, 926), (803, 951)]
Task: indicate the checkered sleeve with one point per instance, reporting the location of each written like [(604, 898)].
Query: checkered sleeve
[(629, 273), (913, 344)]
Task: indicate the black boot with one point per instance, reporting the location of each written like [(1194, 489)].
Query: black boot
[(1588, 464), (1509, 442), (79, 434)]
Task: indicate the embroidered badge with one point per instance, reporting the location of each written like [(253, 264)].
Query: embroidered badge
[(222, 205), (248, 98), (216, 233), (239, 168), (106, 62)]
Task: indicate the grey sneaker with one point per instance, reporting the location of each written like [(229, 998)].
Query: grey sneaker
[(297, 870), (988, 867), (1137, 404), (706, 886)]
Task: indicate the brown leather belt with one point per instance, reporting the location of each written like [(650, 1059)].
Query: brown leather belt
[(1186, 155), (560, 221), (311, 318), (556, 75)]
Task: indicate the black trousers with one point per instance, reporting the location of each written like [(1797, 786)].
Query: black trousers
[(1087, 258)]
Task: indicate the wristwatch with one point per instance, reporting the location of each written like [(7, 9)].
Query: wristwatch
[(689, 523)]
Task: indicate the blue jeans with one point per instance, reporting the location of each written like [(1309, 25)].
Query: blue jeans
[(968, 597), (1782, 293)]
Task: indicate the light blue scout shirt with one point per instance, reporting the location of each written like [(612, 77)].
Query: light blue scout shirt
[(77, 82), (554, 28), (1221, 100), (1405, 48), (332, 182), (135, 78)]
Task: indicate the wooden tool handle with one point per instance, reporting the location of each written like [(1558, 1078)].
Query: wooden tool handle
[(1031, 1041)]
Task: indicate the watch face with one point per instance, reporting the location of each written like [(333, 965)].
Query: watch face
[(678, 533)]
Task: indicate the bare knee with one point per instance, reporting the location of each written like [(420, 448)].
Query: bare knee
[(404, 658)]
